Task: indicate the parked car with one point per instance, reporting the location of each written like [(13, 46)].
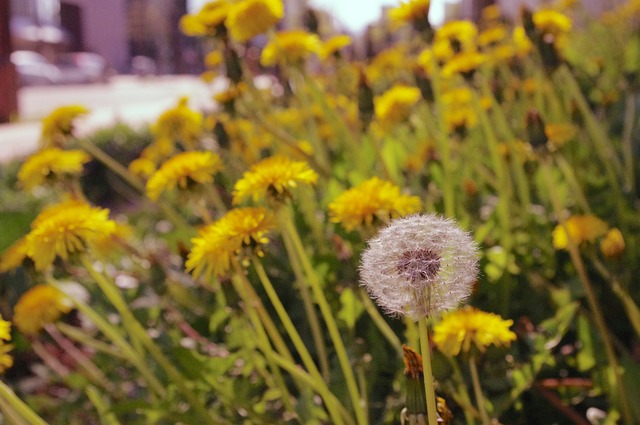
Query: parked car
[(84, 67), (34, 69)]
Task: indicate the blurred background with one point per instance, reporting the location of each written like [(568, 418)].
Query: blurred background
[(54, 43)]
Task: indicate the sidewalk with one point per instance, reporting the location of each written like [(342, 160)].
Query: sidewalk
[(127, 99)]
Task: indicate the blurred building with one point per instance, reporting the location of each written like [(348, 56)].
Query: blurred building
[(116, 29)]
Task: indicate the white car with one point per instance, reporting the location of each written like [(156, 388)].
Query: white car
[(34, 69)]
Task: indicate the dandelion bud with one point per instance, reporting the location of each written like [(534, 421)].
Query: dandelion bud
[(365, 100), (419, 266), (612, 244), (232, 64), (535, 130)]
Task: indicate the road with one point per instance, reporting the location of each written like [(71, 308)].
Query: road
[(133, 100)]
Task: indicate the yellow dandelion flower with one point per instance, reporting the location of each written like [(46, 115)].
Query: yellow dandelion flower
[(179, 123), (491, 13), (461, 34), (249, 18), (5, 330), (142, 167), (207, 21), (218, 243), (51, 164), (559, 134), (58, 125), (213, 59), (551, 22), (389, 64), (469, 327), (395, 105), (612, 244), (373, 199), (582, 228), (464, 63), (459, 112), (13, 256), (40, 305), (492, 36), (334, 45), (521, 41), (183, 170), (415, 12), (6, 361), (273, 177), (290, 47), (64, 229)]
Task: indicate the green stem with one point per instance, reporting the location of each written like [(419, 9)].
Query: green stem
[(19, 406), (306, 106), (627, 142), (380, 323), (304, 377), (78, 335), (136, 331), (477, 389), (444, 144), (602, 144), (570, 175), (106, 416), (250, 298), (94, 374), (592, 299), (310, 311), (307, 360), (10, 415), (429, 387), (327, 315), (127, 350)]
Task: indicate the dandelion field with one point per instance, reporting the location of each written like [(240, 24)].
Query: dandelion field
[(443, 232)]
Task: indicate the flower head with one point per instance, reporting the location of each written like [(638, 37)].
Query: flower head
[(6, 361), (551, 22), (58, 125), (461, 35), (414, 12), (182, 171), (372, 199), (5, 330), (208, 21), (334, 45), (218, 243), (291, 47), (273, 177), (249, 18), (40, 305), (13, 256), (464, 63), (395, 104), (179, 123), (612, 244), (419, 266), (50, 164), (64, 229), (469, 327), (582, 228)]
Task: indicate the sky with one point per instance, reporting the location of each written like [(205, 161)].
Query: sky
[(356, 14)]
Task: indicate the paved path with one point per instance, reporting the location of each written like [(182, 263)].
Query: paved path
[(128, 99)]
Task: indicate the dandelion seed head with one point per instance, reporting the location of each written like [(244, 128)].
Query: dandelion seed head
[(419, 266)]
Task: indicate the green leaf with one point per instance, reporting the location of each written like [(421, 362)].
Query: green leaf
[(586, 357), (351, 308)]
